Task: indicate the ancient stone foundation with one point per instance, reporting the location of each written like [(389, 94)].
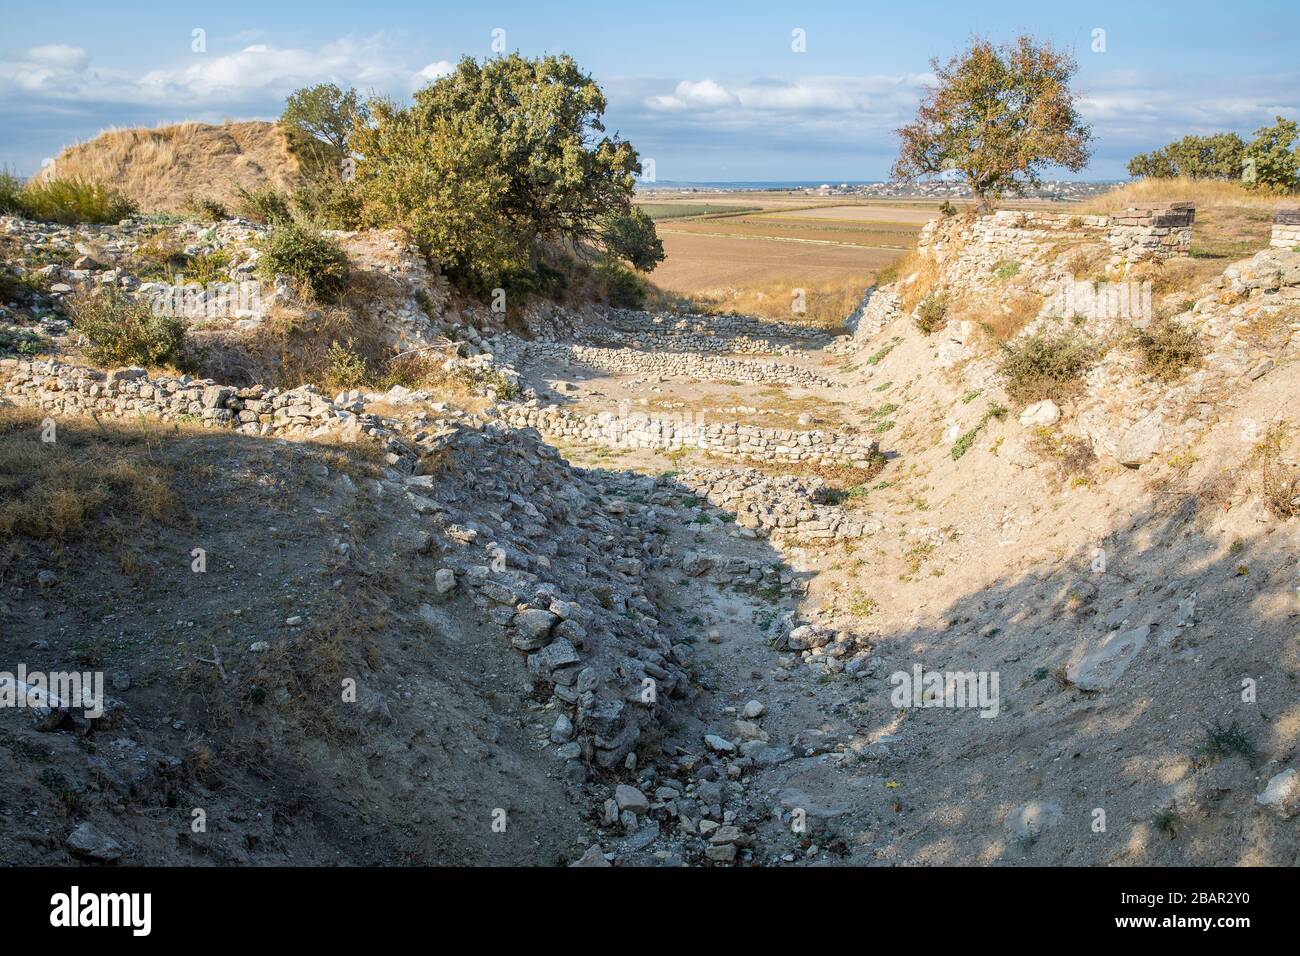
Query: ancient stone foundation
[(1286, 229), (639, 430)]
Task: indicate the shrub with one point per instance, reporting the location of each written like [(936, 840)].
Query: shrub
[(1045, 365), (305, 256), (71, 201), (328, 203), (932, 313), (496, 158), (206, 208), (1168, 349), (1006, 268), (346, 369), (122, 331), (624, 289), (264, 204)]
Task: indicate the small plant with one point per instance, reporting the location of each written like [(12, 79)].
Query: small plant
[(22, 342), (206, 267), (345, 368), (1165, 821), (1006, 268), (932, 313), (206, 208), (1045, 365), (304, 255), (1218, 741), (11, 188), (1072, 455), (964, 443), (624, 289), (1279, 484), (1168, 349), (122, 331), (264, 204), (877, 357)]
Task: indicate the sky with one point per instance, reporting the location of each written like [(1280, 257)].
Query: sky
[(710, 91)]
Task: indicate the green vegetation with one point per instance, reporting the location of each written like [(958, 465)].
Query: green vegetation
[(1168, 349), (264, 204), (932, 313), (658, 211), (304, 255), (1218, 741), (121, 331), (1268, 163), (326, 114), (999, 115), (875, 358), (499, 162), (963, 443), (206, 208), (1047, 364), (65, 201)]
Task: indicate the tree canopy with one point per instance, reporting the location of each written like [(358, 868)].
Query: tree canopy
[(500, 157), (999, 114), (326, 113)]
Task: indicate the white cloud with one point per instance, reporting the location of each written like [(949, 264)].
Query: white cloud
[(59, 56), (257, 74), (435, 70), (758, 99)]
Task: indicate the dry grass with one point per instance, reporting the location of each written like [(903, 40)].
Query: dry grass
[(93, 482), (162, 169), (290, 348), (1204, 193), (1279, 480), (916, 273), (825, 306), (1002, 318)]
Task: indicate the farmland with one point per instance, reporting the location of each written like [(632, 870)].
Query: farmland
[(741, 240)]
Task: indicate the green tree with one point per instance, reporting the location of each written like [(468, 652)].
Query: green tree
[(998, 115), (632, 236), (326, 113), (497, 159), (1219, 156), (1271, 164)]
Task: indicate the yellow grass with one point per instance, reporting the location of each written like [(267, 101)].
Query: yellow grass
[(826, 305), (1201, 192), (160, 168), (92, 482)]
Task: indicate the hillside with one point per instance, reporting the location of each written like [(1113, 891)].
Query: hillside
[(160, 168)]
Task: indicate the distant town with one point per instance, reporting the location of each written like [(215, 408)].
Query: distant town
[(938, 189)]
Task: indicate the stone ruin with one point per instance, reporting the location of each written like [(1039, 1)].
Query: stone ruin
[(1286, 229)]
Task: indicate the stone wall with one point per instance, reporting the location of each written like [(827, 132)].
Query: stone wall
[(131, 393), (1286, 229), (969, 248), (676, 365), (639, 430)]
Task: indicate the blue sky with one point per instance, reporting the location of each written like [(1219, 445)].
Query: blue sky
[(709, 91)]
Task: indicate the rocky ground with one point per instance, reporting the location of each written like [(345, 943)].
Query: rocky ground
[(648, 607)]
